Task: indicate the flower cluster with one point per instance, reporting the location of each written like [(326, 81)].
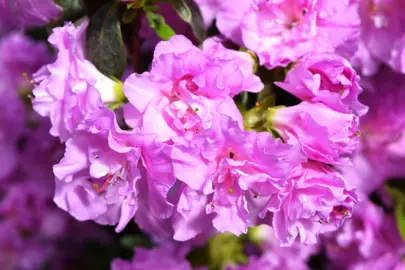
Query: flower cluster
[(225, 135), (185, 167), (32, 228)]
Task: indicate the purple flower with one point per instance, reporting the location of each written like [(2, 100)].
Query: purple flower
[(27, 13), (70, 88), (18, 54), (369, 240), (277, 257), (19, 58), (166, 256), (325, 135), (318, 202), (230, 17), (382, 31), (326, 78), (187, 88), (383, 128), (97, 178), (103, 176), (280, 32), (244, 171), (255, 263), (364, 61), (209, 10)]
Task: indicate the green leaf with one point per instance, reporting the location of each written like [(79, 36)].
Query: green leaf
[(396, 189), (70, 6), (182, 9), (189, 11), (255, 118), (129, 15), (157, 22), (222, 250), (105, 47), (133, 241)]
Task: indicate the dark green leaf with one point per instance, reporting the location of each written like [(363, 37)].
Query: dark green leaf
[(105, 47), (92, 6), (157, 22), (197, 22), (133, 241), (396, 189), (189, 11), (129, 15), (73, 10), (182, 9)]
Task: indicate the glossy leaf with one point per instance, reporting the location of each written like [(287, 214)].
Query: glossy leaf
[(189, 11), (105, 47), (157, 22), (396, 190)]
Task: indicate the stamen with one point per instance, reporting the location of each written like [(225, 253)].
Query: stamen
[(357, 133), (104, 186)]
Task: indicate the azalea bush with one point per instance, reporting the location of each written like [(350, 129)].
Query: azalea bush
[(202, 134)]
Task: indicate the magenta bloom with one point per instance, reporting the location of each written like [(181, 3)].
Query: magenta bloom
[(230, 17), (382, 31), (187, 88), (276, 257), (325, 135), (71, 87), (209, 10), (244, 171), (18, 54), (27, 13), (95, 182), (103, 177), (318, 202), (326, 78), (369, 240), (383, 128), (364, 61), (166, 256), (280, 32)]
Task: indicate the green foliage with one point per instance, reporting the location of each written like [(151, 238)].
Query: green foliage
[(189, 11), (105, 46), (396, 189), (133, 241), (222, 250), (158, 23)]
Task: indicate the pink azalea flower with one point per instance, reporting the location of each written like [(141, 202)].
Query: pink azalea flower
[(244, 171), (209, 10), (325, 135), (276, 257), (166, 256), (107, 174), (318, 202), (26, 13), (67, 84), (383, 127), (382, 31), (364, 61), (326, 78), (280, 32), (187, 88), (369, 240)]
